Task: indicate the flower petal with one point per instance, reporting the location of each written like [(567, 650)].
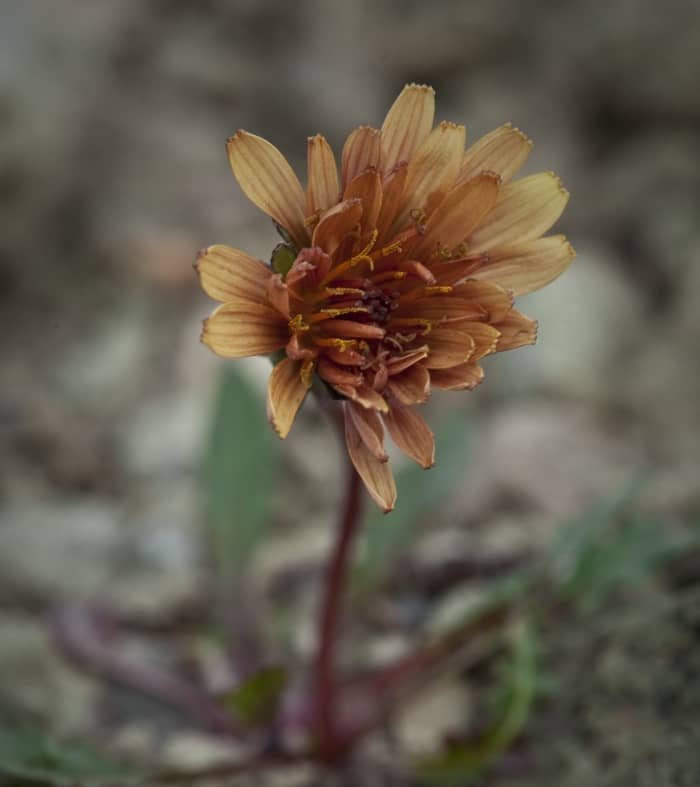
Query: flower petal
[(525, 267), (323, 190), (407, 123), (278, 295), (338, 375), (449, 347), (285, 393), (369, 427), (439, 309), (485, 338), (494, 299), (398, 363), (376, 475), (241, 328), (524, 210), (411, 434), (227, 274), (269, 182), (432, 170), (502, 151), (412, 386), (363, 395), (516, 330), (366, 187), (392, 193), (459, 213), (466, 376), (452, 272), (362, 149), (336, 223)]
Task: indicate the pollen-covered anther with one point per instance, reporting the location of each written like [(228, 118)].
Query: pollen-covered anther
[(391, 248), (298, 325), (438, 290)]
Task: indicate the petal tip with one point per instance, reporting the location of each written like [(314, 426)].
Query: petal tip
[(418, 88)]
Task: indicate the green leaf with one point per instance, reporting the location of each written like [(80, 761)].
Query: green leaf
[(255, 701), (464, 761), (610, 546), (238, 474), (282, 259), (29, 754), (419, 493)]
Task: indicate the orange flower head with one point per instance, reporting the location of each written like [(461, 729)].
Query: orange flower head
[(396, 277)]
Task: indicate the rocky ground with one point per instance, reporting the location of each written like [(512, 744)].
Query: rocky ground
[(113, 174)]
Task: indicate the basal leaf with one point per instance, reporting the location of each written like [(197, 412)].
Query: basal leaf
[(238, 473)]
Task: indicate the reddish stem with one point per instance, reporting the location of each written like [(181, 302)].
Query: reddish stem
[(326, 721)]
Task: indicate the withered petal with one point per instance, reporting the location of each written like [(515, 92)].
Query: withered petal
[(376, 475), (449, 346), (411, 434), (516, 331), (411, 386), (369, 427), (466, 376), (490, 296)]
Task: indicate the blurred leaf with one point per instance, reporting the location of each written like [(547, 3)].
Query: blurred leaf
[(465, 760), (29, 754), (419, 492), (610, 546), (238, 473), (256, 699)]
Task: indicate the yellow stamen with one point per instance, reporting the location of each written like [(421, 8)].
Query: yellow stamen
[(328, 314), (312, 220), (392, 248), (356, 259), (330, 291), (437, 290), (297, 324)]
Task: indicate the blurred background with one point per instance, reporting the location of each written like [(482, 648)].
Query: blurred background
[(113, 173)]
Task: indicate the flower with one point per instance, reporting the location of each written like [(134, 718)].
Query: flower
[(396, 277)]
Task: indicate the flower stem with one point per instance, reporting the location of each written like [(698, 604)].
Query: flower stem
[(326, 722)]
